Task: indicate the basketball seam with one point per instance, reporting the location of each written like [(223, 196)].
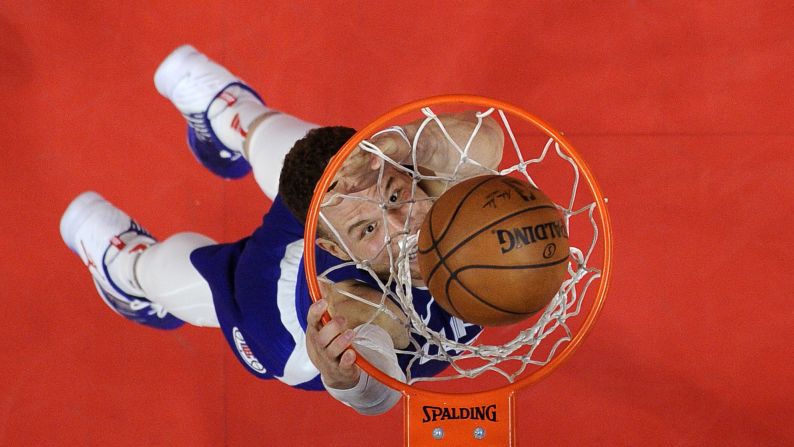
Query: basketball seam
[(446, 291), (477, 297), (451, 218), (434, 242), (443, 258), (512, 267), (454, 275), (497, 267)]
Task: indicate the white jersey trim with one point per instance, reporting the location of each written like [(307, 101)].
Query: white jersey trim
[(299, 368)]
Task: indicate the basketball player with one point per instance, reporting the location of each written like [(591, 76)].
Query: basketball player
[(255, 289)]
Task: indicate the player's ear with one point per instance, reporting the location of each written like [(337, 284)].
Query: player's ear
[(333, 248)]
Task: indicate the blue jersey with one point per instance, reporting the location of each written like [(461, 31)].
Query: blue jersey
[(262, 298)]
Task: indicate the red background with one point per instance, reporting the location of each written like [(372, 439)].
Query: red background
[(682, 110)]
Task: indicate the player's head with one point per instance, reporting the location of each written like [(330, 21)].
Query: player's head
[(304, 165), (361, 225)]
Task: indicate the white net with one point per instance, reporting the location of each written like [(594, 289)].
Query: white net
[(512, 351)]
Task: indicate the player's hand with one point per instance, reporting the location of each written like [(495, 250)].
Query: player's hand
[(362, 168), (393, 145), (329, 348), (359, 171)]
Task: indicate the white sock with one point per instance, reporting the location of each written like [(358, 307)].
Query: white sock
[(121, 258), (268, 144), (231, 114)]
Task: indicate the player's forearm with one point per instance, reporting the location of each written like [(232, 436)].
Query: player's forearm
[(436, 152), (368, 397)]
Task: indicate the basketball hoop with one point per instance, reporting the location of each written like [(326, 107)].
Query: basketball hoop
[(541, 156)]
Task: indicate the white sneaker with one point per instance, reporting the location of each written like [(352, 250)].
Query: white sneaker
[(190, 80), (204, 92), (109, 242)]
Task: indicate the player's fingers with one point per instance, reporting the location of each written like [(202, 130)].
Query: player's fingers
[(348, 360), (340, 343), (331, 330), (356, 160), (315, 314), (375, 162)]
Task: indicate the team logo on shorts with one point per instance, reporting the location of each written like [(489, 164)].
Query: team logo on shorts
[(245, 352)]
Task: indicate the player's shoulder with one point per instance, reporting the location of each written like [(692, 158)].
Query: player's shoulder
[(278, 223)]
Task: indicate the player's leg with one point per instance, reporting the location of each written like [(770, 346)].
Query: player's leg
[(229, 126), (149, 282), (270, 138), (167, 277)]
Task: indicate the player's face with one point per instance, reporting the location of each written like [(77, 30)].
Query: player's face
[(363, 226)]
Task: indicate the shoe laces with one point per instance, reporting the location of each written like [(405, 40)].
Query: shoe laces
[(154, 308), (199, 124)]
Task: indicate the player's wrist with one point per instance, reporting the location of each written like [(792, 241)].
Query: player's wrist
[(349, 383)]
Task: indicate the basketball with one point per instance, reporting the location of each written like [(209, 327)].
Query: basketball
[(493, 250)]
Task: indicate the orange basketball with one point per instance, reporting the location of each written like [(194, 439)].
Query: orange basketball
[(493, 250)]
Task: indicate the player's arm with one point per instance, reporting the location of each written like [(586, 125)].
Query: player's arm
[(438, 149), (329, 346), (346, 299), (440, 152)]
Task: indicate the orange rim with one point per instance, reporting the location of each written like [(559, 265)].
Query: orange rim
[(606, 228)]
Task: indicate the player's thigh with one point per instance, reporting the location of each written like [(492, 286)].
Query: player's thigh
[(168, 278)]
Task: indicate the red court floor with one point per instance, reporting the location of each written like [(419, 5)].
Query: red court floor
[(682, 109)]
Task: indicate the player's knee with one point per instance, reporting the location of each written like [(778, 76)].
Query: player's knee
[(168, 278), (166, 265), (186, 242)]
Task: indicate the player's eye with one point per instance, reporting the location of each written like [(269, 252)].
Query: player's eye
[(394, 197), (369, 229)]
